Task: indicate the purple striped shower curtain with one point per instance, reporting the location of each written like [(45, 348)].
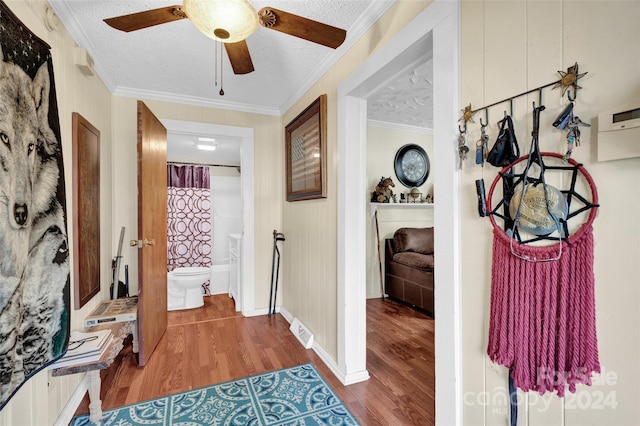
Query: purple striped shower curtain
[(188, 218)]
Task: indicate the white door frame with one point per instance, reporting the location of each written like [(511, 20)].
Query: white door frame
[(441, 21), (247, 256)]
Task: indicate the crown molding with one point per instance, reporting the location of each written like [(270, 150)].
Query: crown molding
[(194, 100)]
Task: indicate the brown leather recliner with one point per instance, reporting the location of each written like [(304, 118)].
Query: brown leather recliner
[(409, 266)]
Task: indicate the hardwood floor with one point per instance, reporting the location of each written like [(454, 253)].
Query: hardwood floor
[(215, 344)]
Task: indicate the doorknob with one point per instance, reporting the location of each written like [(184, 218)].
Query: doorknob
[(142, 243)]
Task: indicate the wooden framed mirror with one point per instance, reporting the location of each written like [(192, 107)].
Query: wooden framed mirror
[(86, 210)]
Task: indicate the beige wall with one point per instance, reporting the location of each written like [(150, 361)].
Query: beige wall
[(509, 48), (41, 399), (382, 145), (309, 262)]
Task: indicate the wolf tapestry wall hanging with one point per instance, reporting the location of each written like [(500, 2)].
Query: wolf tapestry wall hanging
[(34, 255)]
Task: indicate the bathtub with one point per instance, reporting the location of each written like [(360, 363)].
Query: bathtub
[(219, 278)]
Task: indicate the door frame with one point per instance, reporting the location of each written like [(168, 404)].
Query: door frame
[(247, 255), (441, 21)]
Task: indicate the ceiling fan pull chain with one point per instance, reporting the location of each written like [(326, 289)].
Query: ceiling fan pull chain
[(215, 63), (221, 91)]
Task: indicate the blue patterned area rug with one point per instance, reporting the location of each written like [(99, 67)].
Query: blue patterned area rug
[(292, 396)]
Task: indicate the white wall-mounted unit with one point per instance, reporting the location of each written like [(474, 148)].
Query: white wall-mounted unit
[(619, 133), (84, 61)]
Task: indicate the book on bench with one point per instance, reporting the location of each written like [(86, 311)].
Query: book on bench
[(113, 311), (84, 347)]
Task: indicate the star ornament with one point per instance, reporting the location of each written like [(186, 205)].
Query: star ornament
[(569, 79), (467, 114)]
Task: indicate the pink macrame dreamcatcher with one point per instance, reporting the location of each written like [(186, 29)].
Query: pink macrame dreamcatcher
[(542, 320)]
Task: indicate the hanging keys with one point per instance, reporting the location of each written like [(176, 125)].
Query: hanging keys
[(573, 127), (482, 145), (573, 135), (463, 149)]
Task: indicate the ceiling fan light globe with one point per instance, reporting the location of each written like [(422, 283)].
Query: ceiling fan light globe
[(217, 18)]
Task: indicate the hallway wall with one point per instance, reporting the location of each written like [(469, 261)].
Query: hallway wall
[(309, 266)]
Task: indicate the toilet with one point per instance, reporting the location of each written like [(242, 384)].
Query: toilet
[(184, 287)]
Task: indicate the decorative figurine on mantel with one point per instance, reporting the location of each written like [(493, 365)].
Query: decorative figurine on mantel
[(383, 192), (428, 198)]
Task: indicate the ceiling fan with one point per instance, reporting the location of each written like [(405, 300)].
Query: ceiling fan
[(231, 22)]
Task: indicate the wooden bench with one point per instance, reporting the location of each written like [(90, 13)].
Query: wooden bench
[(119, 331)]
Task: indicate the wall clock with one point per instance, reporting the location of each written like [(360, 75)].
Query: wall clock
[(412, 165)]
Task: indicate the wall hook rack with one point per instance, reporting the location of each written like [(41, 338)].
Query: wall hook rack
[(568, 80)]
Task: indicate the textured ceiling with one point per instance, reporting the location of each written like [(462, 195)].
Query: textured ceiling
[(407, 100), (174, 62)]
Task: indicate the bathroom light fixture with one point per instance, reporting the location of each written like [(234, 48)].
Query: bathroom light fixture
[(211, 147), (203, 139), (229, 21)]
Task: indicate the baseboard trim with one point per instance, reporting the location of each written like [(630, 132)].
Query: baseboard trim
[(66, 415), (259, 312), (357, 377), (286, 314), (345, 379)]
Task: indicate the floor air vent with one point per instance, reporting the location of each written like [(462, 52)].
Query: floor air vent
[(302, 333)]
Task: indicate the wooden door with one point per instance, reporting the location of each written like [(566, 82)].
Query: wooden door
[(152, 231)]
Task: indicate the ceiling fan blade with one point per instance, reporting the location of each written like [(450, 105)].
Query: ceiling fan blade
[(148, 18), (239, 57), (304, 28)]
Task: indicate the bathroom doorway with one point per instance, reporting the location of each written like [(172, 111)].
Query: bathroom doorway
[(232, 161)]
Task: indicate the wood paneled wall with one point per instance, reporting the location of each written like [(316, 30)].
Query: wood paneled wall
[(509, 48)]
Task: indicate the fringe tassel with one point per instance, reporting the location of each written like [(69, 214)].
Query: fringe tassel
[(542, 323)]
